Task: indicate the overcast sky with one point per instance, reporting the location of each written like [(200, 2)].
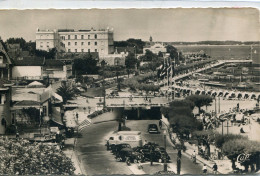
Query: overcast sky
[(162, 24)]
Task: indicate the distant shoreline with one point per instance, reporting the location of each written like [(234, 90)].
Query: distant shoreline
[(214, 45)]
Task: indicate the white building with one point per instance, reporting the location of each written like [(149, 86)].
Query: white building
[(155, 48), (48, 39), (100, 41)]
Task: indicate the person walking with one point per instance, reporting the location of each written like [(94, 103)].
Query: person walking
[(193, 156), (204, 169), (215, 168), (160, 124)]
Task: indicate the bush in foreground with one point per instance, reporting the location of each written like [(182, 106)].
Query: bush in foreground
[(20, 157)]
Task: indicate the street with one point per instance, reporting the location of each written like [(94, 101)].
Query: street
[(96, 159)]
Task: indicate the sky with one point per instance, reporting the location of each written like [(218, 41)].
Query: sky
[(166, 25)]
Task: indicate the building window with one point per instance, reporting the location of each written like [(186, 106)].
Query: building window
[(76, 43), (95, 50), (95, 36), (82, 43), (69, 43), (69, 50), (82, 50), (95, 43), (88, 43), (82, 36), (75, 36), (76, 50), (89, 50), (69, 37), (88, 36)]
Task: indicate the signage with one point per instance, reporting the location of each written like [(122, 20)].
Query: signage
[(243, 158)]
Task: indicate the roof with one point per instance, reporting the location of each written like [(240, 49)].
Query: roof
[(27, 103), (54, 63), (29, 61)]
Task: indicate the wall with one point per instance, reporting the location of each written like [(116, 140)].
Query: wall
[(29, 71), (108, 116)]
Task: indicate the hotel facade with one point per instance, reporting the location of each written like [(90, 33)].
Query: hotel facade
[(72, 41)]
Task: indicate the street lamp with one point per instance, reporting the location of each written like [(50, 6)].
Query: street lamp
[(104, 90), (165, 159)]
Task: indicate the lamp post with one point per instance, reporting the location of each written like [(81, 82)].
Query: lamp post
[(117, 74), (165, 159), (103, 83)]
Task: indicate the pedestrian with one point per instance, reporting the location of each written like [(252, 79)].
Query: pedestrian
[(215, 168), (204, 169), (160, 124), (193, 156), (17, 134)]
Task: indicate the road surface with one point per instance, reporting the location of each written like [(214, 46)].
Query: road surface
[(96, 159)]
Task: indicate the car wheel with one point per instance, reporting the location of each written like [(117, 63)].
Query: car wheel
[(135, 161), (160, 160), (118, 159)]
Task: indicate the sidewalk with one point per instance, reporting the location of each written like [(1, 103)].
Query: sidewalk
[(224, 166), (72, 154)]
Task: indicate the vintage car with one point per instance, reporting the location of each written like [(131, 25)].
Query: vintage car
[(117, 148), (154, 152), (133, 156), (152, 128)]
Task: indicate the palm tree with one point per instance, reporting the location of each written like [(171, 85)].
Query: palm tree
[(67, 92)]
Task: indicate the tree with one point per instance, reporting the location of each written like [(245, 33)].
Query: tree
[(20, 41), (200, 100), (46, 54), (66, 92), (20, 157), (180, 116), (130, 61), (86, 64)]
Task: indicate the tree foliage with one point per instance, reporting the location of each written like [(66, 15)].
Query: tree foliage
[(174, 54), (221, 139), (200, 100), (47, 54), (85, 65), (181, 117), (20, 157), (137, 43), (130, 61), (66, 92)]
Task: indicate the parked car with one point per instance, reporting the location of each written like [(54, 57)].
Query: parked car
[(154, 151), (118, 147), (134, 157), (152, 128)]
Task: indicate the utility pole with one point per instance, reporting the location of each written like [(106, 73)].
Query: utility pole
[(165, 159), (103, 83), (218, 104), (215, 106)]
